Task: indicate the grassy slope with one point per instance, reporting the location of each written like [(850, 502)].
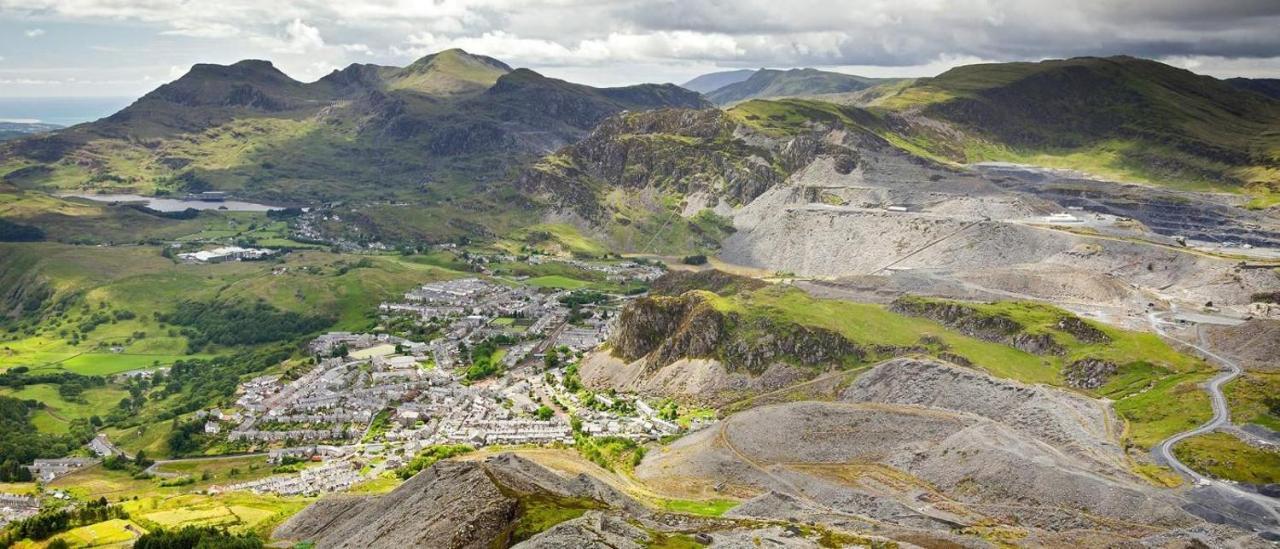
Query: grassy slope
[(1225, 456), (58, 412), (1155, 390), (139, 280), (1247, 397), (1117, 117)]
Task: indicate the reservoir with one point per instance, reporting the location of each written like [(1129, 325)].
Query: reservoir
[(163, 204)]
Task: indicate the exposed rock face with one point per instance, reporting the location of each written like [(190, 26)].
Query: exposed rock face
[(977, 324), (1089, 373), (669, 328), (452, 504), (677, 150), (662, 330), (1083, 331), (458, 504), (678, 282), (594, 529)]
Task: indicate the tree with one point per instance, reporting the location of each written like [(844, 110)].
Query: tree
[(544, 413), (552, 359)]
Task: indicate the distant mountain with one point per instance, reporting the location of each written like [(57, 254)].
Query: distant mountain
[(1119, 117), (1269, 87), (15, 130), (766, 83), (710, 82), (432, 131)]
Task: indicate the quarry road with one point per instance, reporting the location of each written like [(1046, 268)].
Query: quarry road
[(1221, 418)]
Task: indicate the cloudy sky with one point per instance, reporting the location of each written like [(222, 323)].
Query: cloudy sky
[(127, 47)]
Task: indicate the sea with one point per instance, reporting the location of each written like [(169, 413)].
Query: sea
[(63, 111)]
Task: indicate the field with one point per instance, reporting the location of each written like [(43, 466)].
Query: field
[(149, 438), (870, 324), (111, 533), (557, 282), (1248, 396), (58, 413), (1173, 404), (130, 284), (554, 238), (96, 481), (1224, 456), (235, 511)]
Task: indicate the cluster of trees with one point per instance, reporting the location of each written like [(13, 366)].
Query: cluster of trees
[(185, 438), (49, 523), (137, 465), (17, 232), (193, 537), (483, 357), (608, 452), (578, 298), (227, 324), (20, 443), (21, 376), (284, 214), (429, 456), (189, 213), (698, 259)]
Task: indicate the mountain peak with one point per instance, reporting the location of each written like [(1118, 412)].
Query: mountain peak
[(449, 72)]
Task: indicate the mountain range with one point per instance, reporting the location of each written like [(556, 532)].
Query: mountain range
[(470, 140)]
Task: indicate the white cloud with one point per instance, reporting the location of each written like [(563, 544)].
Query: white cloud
[(357, 48), (620, 41), (300, 38), (199, 29), (34, 33)]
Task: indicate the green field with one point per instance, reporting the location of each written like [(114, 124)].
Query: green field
[(1253, 398), (554, 238), (557, 282), (870, 324), (111, 533), (707, 508), (1224, 456), (58, 412), (1173, 404), (136, 281)]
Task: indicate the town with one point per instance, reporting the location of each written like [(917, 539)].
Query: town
[(498, 370)]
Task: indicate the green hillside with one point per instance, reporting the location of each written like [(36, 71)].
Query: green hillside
[(1123, 117), (766, 83), (438, 133), (100, 310)]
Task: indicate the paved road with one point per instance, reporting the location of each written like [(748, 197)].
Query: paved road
[(1221, 414), (1221, 418)]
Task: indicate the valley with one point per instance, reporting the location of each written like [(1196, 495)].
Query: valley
[(462, 301)]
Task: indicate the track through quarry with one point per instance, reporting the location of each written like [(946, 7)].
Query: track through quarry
[(1221, 419)]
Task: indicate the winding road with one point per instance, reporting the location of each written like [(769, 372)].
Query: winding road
[(1221, 414), (1221, 419)]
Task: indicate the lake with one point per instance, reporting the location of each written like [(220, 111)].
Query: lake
[(174, 204)]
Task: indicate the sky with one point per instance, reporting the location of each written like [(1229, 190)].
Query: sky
[(124, 48)]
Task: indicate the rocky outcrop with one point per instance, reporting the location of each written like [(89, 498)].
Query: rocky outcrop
[(978, 324), (1083, 331), (594, 529), (460, 504), (678, 282), (1089, 373), (663, 329), (668, 328), (452, 504)]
